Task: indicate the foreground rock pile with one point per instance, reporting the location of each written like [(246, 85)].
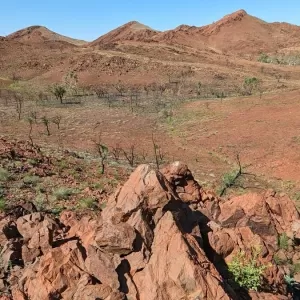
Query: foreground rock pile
[(160, 237)]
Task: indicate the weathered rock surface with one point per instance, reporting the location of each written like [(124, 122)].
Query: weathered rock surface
[(161, 237)]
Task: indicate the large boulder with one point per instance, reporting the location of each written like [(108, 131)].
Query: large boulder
[(178, 268)]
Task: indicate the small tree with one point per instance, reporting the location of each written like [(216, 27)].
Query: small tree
[(56, 120), (103, 153), (59, 92), (120, 87), (162, 87), (33, 116), (30, 122), (19, 102), (199, 87), (71, 82), (159, 155), (250, 84), (46, 122)]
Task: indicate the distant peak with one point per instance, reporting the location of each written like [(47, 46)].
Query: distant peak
[(35, 27), (137, 25), (237, 14)]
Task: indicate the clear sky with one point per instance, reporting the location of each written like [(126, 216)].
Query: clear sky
[(88, 19)]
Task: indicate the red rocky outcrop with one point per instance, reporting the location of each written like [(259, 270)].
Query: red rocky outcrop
[(160, 237)]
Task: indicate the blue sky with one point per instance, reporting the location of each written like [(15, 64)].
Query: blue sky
[(88, 19)]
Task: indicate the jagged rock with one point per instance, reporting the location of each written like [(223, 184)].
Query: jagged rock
[(101, 266), (8, 230), (178, 267), (88, 291), (145, 189), (221, 242), (85, 229), (37, 231), (4, 297), (183, 182), (11, 254), (57, 272), (267, 296), (117, 238)]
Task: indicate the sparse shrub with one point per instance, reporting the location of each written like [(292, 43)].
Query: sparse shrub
[(33, 162), (247, 273), (279, 261), (283, 241), (40, 202), (87, 203), (64, 193), (264, 58), (295, 269), (57, 210), (2, 204), (4, 175), (250, 84), (103, 205), (31, 180)]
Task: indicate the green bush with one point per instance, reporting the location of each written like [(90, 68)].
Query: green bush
[(2, 204), (87, 203), (31, 180), (247, 273), (4, 175), (264, 58), (279, 261), (64, 193), (40, 202), (283, 241)]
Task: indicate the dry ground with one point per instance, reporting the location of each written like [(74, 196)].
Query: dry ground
[(206, 134)]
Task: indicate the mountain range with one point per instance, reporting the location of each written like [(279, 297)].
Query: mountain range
[(138, 53)]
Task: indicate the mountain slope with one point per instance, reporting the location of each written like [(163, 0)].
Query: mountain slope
[(38, 34), (238, 32), (132, 31)]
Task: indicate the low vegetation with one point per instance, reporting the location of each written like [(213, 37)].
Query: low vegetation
[(280, 59), (247, 272), (283, 241)]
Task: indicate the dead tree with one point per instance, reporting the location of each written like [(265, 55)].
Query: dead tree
[(103, 153), (159, 155), (130, 155), (33, 116), (30, 122), (45, 121), (231, 179), (19, 103), (57, 120), (120, 88), (116, 152)]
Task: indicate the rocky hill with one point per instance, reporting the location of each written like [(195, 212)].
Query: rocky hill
[(40, 34), (238, 32), (132, 31), (160, 236)]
